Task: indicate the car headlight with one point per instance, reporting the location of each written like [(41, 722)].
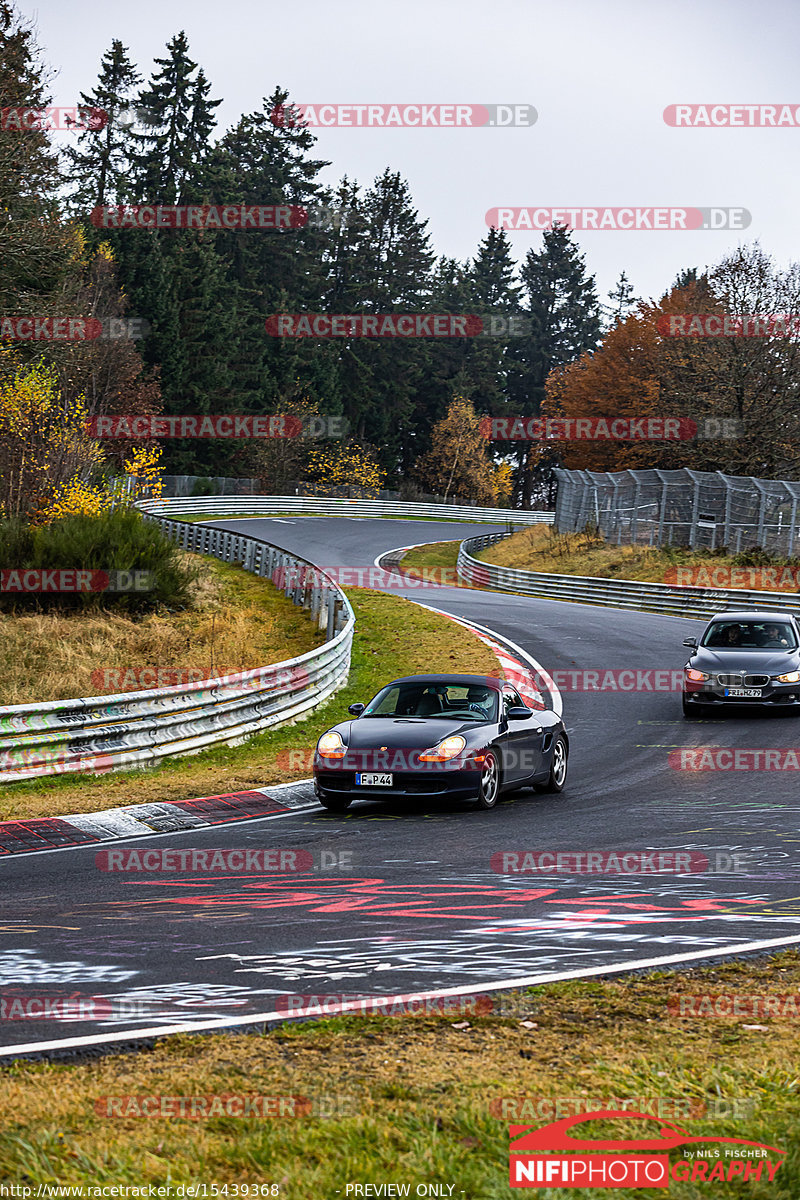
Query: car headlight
[(790, 677), (448, 748), (696, 676), (330, 745)]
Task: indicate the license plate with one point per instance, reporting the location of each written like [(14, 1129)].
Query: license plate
[(744, 693), (373, 780)]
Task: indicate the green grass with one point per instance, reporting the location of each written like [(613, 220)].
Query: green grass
[(416, 1099)]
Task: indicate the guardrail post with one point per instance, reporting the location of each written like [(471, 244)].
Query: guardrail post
[(333, 612)]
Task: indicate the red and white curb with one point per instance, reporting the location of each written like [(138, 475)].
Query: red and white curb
[(139, 820)]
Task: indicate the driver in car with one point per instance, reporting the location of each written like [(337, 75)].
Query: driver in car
[(775, 637)]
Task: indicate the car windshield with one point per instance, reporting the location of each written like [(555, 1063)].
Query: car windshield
[(473, 702), (750, 635)]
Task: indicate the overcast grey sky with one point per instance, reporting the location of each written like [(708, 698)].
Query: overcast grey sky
[(598, 72)]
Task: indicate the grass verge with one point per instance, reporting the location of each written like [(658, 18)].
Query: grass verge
[(540, 548), (393, 637), (418, 1099), (237, 622)]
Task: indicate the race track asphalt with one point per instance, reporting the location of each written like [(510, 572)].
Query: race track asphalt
[(403, 898)]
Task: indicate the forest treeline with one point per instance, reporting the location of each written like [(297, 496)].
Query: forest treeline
[(204, 295)]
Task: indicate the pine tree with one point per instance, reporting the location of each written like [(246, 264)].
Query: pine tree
[(622, 301), (168, 156), (391, 269), (261, 161), (495, 297), (37, 248), (98, 165), (560, 301)]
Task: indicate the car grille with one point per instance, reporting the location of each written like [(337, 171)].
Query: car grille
[(736, 680), (756, 680)]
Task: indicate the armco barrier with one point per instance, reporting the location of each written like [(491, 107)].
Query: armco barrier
[(616, 593), (105, 733), (334, 507)]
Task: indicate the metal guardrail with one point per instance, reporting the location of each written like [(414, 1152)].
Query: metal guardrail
[(103, 733), (616, 593), (332, 506)]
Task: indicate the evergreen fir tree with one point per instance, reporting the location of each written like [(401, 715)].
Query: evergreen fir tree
[(98, 164), (560, 301)]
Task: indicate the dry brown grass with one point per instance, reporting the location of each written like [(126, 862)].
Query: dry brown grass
[(237, 622)]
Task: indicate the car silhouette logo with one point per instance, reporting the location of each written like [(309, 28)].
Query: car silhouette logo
[(557, 1136)]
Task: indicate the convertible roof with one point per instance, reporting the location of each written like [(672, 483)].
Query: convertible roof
[(462, 680)]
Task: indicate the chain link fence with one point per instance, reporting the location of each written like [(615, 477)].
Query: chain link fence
[(681, 508)]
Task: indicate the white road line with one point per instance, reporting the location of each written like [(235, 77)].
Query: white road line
[(521, 981), (558, 703)]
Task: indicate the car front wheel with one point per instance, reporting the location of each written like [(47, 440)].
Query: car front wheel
[(693, 710), (489, 787), (557, 778), (334, 803)]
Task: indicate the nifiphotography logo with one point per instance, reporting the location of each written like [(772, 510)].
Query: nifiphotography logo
[(632, 1163)]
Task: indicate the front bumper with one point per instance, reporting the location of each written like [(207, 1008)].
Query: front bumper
[(458, 779), (775, 695)]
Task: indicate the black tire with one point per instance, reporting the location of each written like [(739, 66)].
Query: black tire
[(691, 711), (557, 779), (334, 803), (489, 786)]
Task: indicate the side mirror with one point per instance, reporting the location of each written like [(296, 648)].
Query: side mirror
[(690, 642), (519, 713), (356, 709)]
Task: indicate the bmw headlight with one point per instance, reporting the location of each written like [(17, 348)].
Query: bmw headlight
[(790, 677), (696, 676)]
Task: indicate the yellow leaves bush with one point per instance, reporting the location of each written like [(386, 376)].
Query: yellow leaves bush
[(43, 440), (350, 463)]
